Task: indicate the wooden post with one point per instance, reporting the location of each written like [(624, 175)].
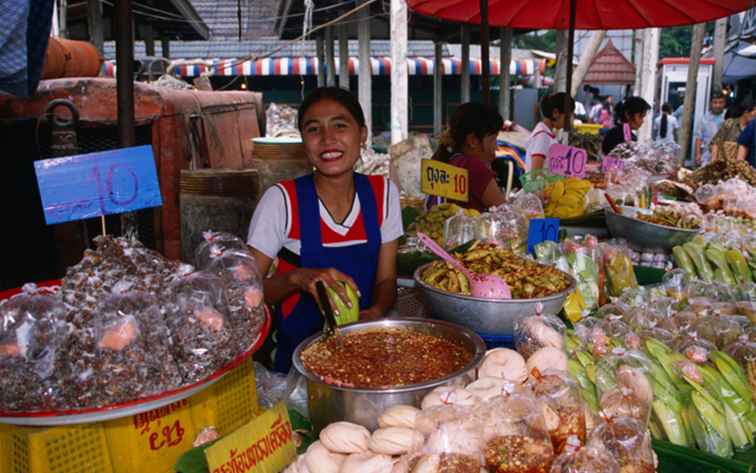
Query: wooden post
[(648, 89), (560, 75), (485, 72), (438, 100), (638, 40), (330, 58), (320, 51), (696, 44), (365, 78), (399, 78), (586, 58), (505, 59), (465, 77), (149, 39), (343, 57), (165, 48), (720, 38), (94, 23)]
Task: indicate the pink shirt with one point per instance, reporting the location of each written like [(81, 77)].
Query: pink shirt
[(479, 176)]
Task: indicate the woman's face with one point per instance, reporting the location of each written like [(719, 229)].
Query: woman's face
[(484, 149), (557, 119), (332, 137), (636, 120)]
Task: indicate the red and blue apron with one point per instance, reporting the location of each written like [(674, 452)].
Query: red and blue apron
[(359, 261)]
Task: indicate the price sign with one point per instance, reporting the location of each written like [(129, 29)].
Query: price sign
[(567, 161), (444, 180), (263, 445), (542, 229), (90, 185), (612, 164)]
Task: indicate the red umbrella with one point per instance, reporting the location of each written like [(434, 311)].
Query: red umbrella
[(590, 14), (575, 14)]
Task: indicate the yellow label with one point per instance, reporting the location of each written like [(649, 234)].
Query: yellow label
[(263, 445), (444, 180)]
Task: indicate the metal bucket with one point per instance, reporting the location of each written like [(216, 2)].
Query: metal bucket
[(329, 403)]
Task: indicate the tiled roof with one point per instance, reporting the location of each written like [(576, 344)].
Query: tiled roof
[(236, 49), (610, 67), (258, 18)]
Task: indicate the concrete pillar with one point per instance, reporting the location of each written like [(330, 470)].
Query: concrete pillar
[(365, 77), (399, 78), (343, 57), (505, 58), (438, 100), (465, 77)]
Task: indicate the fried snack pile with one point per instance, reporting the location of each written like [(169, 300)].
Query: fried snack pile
[(526, 278)]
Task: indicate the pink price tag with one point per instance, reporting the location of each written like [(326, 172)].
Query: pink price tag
[(612, 164), (567, 161)]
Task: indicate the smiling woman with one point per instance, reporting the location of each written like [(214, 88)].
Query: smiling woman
[(334, 225)]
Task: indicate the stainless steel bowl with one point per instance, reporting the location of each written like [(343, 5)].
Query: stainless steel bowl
[(328, 403), (486, 316), (645, 235)]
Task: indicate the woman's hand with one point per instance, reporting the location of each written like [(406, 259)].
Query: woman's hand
[(306, 278)]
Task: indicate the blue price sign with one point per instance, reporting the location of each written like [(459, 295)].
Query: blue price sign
[(542, 229), (90, 185)]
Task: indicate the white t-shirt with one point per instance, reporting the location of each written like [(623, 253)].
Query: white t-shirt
[(672, 125), (273, 228), (539, 142), (579, 108)]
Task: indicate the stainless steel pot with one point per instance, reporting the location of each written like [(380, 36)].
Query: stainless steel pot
[(328, 403), (646, 235), (486, 316)]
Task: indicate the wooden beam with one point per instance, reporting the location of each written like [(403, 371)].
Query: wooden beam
[(438, 101), (505, 58), (320, 51), (148, 36), (691, 87), (94, 23), (63, 15), (720, 38), (365, 77), (465, 65), (399, 78), (330, 58), (343, 57)]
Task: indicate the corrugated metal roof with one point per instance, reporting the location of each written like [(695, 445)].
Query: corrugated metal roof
[(610, 67), (257, 18), (235, 49)]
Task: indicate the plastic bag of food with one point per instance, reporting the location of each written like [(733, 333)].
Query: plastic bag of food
[(33, 334), (213, 245), (198, 319), (629, 442), (694, 348), (517, 440), (591, 458), (504, 363), (133, 351), (562, 406), (619, 270), (537, 331), (591, 333), (623, 385), (430, 418), (744, 352), (460, 229), (458, 445), (721, 331)]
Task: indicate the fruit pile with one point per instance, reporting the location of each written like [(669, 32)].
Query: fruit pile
[(432, 223), (566, 198)]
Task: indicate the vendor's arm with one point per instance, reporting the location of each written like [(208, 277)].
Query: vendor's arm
[(384, 292), (492, 195), (537, 161)]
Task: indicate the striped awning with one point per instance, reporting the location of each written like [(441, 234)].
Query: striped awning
[(285, 66)]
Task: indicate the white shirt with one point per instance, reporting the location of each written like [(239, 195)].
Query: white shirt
[(539, 142), (270, 225), (579, 108), (672, 125)]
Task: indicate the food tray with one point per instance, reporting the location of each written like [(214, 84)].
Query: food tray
[(137, 406), (646, 235)]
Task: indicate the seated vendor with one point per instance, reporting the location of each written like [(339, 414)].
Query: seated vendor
[(470, 143), (554, 114), (333, 225), (630, 113)]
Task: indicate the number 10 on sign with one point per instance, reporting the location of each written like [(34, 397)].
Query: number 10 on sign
[(567, 161)]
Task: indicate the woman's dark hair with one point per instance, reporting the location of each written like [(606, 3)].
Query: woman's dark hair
[(629, 107), (476, 118), (736, 110), (666, 110), (556, 102), (337, 94)]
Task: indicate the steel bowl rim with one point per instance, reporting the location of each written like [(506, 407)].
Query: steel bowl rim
[(478, 343), (553, 297), (650, 224)]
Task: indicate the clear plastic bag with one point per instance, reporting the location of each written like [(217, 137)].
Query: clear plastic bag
[(561, 396), (213, 245), (721, 331), (623, 385), (592, 458), (619, 270), (458, 445), (629, 442), (33, 336), (516, 440), (537, 331)]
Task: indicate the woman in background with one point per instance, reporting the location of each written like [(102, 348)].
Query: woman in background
[(737, 118), (554, 114), (666, 126), (630, 114)]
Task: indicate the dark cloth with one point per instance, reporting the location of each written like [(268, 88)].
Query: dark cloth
[(614, 138), (748, 139), (23, 44)]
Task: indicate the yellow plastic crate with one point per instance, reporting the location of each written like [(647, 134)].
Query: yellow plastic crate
[(588, 128), (150, 442)]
